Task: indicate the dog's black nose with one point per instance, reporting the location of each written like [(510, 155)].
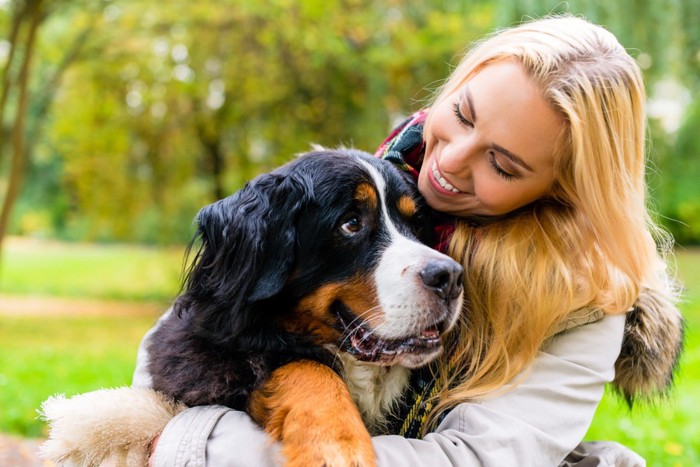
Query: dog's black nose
[(444, 277)]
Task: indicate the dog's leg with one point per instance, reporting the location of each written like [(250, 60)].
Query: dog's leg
[(307, 407)]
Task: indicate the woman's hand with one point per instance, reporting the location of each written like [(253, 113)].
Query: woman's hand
[(152, 450)]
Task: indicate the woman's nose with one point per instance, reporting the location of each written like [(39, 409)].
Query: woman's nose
[(457, 156)]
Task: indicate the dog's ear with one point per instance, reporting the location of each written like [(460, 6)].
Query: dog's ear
[(245, 256)]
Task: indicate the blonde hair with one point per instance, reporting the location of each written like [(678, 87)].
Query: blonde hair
[(591, 244)]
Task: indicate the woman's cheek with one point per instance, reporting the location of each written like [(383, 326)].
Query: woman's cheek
[(490, 194)]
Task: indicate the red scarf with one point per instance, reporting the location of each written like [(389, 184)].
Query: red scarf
[(405, 148)]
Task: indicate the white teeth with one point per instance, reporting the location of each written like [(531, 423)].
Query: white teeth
[(443, 183)]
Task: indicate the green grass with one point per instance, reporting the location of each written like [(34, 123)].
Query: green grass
[(114, 272), (41, 356), (667, 434)]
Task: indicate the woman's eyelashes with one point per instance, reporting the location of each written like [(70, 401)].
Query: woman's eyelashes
[(499, 170), (460, 117), (492, 155)]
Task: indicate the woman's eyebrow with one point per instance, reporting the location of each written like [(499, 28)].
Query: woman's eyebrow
[(515, 159), (470, 102)]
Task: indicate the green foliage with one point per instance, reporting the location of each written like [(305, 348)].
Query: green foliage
[(172, 107), (679, 193), (166, 107)]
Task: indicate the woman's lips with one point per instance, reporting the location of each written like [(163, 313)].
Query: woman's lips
[(440, 182)]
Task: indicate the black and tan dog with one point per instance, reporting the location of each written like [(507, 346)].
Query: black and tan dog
[(306, 278)]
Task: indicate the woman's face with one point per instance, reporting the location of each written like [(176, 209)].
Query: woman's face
[(490, 145)]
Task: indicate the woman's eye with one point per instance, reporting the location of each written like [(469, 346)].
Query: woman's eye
[(460, 117), (499, 170), (351, 226)]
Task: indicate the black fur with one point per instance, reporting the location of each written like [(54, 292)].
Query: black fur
[(262, 250)]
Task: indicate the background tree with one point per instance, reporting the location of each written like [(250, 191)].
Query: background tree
[(26, 16), (191, 100), (27, 90), (153, 110)]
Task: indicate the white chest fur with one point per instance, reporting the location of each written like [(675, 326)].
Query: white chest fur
[(375, 389)]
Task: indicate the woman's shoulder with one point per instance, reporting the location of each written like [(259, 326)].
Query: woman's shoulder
[(579, 318)]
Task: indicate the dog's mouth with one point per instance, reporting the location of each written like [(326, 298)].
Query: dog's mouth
[(365, 345)]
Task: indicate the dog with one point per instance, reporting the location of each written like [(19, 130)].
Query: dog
[(312, 295)]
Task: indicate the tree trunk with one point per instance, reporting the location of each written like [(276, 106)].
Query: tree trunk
[(18, 161), (215, 165), (17, 19)]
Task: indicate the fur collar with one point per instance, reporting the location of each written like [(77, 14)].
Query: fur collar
[(651, 348)]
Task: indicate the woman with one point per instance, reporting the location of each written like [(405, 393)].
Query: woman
[(533, 151)]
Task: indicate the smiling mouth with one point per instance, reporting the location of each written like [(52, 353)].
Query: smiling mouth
[(444, 184), (365, 345)]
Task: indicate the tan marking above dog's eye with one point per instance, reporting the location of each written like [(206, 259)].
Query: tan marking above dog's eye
[(406, 206), (366, 194)]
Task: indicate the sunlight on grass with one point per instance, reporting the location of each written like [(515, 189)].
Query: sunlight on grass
[(117, 272), (42, 356)]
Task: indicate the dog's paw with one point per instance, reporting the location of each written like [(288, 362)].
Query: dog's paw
[(324, 439), (344, 452), (307, 407)]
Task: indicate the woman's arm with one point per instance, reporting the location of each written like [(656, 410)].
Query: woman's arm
[(537, 423)]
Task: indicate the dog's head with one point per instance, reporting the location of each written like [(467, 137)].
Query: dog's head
[(325, 247)]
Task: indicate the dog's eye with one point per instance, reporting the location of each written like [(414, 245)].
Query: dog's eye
[(351, 226)]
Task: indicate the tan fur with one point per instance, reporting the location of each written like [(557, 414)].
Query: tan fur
[(115, 427), (366, 193), (313, 316), (313, 430), (406, 206), (108, 427), (651, 348)]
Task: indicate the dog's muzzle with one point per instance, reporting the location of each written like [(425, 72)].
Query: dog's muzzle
[(427, 306)]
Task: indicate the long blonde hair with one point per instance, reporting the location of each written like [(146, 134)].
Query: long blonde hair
[(592, 242)]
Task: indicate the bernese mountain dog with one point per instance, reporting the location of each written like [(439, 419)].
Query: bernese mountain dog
[(320, 256), (311, 295)]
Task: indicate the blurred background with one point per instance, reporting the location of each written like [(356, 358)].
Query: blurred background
[(119, 119)]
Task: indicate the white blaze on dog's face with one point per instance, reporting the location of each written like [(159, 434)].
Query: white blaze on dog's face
[(361, 279), (419, 291)]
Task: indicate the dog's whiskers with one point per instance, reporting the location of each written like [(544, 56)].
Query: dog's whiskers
[(357, 323), (361, 316)]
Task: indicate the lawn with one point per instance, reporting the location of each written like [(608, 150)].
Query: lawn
[(42, 356), (113, 272), (70, 354)]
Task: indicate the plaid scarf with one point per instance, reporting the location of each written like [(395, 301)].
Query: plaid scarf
[(405, 148)]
